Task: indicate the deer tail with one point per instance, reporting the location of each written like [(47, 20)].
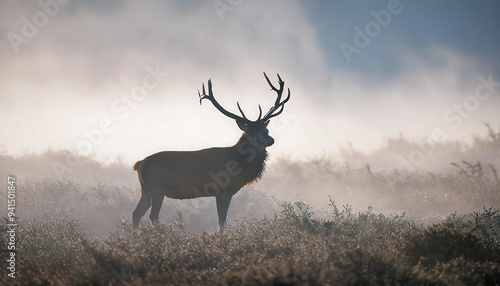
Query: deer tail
[(138, 166)]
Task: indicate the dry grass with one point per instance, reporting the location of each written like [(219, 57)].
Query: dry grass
[(293, 248)]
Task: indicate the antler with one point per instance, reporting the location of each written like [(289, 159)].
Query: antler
[(277, 104), (270, 114), (212, 99)]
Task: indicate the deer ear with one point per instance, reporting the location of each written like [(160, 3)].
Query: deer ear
[(242, 125)]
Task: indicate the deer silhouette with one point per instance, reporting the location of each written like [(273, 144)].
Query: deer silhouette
[(220, 171)]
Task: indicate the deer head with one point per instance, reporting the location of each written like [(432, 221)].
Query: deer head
[(256, 130)]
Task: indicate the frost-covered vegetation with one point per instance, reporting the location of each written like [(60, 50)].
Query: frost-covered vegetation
[(355, 219), (292, 248)]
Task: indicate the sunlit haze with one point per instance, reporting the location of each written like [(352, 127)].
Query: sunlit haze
[(62, 73)]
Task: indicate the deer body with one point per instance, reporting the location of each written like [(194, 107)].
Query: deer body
[(229, 169), (219, 172)]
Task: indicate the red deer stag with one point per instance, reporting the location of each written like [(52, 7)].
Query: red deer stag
[(218, 172)]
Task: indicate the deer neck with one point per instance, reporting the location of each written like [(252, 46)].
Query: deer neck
[(251, 156)]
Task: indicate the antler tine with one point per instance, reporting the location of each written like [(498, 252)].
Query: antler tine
[(279, 91), (282, 84), (277, 104), (241, 111), (281, 106), (270, 83), (202, 96), (210, 87), (260, 113), (287, 97)]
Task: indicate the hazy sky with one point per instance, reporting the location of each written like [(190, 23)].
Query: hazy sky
[(120, 78)]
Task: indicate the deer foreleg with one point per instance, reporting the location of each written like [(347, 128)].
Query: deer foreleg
[(223, 201)]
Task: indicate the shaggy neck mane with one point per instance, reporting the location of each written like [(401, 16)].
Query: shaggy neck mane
[(252, 158)]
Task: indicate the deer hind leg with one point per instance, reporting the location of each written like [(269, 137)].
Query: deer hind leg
[(142, 206), (157, 196), (223, 201)]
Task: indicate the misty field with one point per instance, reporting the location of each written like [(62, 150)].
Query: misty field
[(359, 220), (292, 248)]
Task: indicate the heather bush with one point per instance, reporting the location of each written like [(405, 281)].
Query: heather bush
[(292, 248)]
